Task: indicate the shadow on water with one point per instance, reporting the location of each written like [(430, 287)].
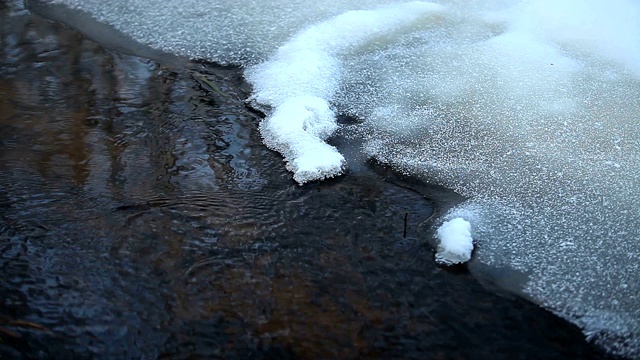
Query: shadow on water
[(140, 217)]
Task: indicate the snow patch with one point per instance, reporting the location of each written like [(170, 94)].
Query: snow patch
[(456, 243), (302, 77), (296, 129)]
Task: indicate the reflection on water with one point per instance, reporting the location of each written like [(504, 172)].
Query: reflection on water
[(140, 216)]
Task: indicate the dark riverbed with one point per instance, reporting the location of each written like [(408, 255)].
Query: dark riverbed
[(141, 217)]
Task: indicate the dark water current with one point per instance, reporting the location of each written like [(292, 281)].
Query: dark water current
[(141, 217)]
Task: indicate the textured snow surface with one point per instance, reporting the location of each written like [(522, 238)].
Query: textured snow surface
[(305, 73), (529, 108), (456, 243)]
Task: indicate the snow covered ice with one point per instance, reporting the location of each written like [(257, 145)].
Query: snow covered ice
[(528, 108), (304, 75)]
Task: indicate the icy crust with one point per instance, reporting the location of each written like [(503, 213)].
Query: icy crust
[(241, 32), (304, 75), (456, 243)]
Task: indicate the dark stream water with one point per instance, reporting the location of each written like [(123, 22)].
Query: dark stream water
[(141, 217)]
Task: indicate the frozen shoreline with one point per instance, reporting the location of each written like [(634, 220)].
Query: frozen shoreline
[(566, 272)]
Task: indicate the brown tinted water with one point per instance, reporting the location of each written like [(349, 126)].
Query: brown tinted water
[(141, 217)]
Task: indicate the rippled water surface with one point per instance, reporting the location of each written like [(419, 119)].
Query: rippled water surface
[(141, 217)]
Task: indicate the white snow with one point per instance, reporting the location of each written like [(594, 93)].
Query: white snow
[(297, 129), (456, 243), (304, 74)]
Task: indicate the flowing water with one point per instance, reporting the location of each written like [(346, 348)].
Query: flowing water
[(141, 215)]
